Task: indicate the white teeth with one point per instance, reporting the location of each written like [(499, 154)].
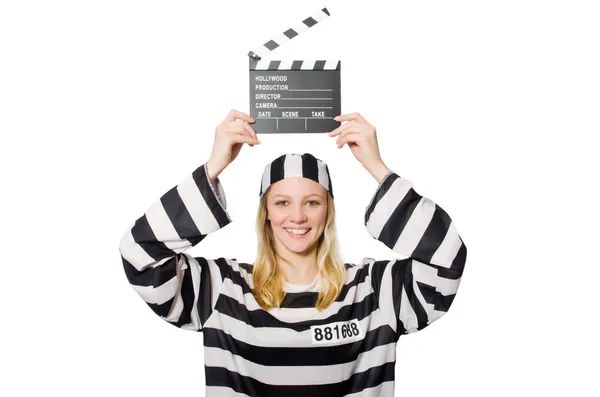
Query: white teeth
[(297, 231)]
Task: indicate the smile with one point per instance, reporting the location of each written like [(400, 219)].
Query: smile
[(297, 233)]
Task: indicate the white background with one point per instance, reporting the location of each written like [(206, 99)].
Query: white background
[(491, 109)]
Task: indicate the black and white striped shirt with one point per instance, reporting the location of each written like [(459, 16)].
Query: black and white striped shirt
[(349, 349)]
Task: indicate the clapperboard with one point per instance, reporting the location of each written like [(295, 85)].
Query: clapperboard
[(294, 96)]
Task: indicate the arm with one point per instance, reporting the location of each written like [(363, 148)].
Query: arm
[(412, 292), (418, 290), (179, 288)]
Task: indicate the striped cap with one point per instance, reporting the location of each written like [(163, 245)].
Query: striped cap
[(293, 165)]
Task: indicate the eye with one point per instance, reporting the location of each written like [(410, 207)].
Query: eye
[(285, 201)]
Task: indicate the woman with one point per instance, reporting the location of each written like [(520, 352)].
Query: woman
[(297, 322)]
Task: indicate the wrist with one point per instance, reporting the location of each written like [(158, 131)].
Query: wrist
[(379, 171), (213, 170)]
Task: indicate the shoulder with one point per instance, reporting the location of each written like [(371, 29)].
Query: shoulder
[(369, 267), (359, 269), (363, 264), (227, 267)]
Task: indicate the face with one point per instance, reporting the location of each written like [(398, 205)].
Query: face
[(296, 205)]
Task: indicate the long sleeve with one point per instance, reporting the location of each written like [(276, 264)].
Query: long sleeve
[(179, 288), (415, 291)]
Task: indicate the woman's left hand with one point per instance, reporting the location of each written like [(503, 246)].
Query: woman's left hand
[(361, 138)]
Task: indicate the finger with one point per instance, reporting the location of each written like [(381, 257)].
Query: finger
[(353, 128), (248, 129), (243, 130), (239, 138), (351, 137), (230, 116), (340, 129), (236, 114), (349, 117), (335, 131)]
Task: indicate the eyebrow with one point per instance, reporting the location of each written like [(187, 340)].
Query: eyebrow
[(308, 195)]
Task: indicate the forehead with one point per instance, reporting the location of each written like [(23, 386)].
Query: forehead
[(297, 187)]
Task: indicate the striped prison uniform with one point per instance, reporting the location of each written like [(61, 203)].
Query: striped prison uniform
[(349, 349)]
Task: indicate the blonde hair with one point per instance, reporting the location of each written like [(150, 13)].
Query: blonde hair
[(266, 275)]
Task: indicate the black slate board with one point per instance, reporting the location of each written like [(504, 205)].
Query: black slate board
[(294, 101)]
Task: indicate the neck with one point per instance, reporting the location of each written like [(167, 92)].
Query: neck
[(298, 268)]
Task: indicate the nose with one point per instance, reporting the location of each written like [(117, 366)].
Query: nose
[(298, 215)]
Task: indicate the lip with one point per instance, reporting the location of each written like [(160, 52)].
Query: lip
[(297, 236)]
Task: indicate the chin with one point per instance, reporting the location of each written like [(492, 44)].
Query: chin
[(297, 247), (300, 248)]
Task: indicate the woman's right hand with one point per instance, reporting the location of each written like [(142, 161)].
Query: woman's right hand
[(230, 135)]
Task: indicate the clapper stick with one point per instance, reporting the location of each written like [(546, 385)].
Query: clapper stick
[(294, 96)]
